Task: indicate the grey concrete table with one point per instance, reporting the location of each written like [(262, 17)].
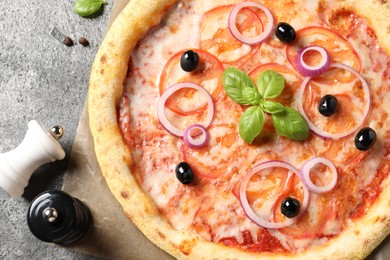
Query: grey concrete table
[(42, 79)]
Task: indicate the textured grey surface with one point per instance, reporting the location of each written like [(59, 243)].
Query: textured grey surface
[(42, 79)]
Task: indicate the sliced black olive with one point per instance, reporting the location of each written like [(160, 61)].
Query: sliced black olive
[(285, 32), (189, 60), (184, 173), (328, 105), (365, 139), (290, 207)]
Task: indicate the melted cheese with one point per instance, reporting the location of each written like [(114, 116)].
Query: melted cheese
[(209, 208)]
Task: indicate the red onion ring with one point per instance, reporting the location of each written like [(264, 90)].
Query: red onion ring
[(198, 143), (312, 71), (245, 39), (305, 175), (168, 92), (322, 133), (249, 211)]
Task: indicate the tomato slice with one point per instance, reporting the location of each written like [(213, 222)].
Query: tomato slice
[(340, 122), (216, 38), (328, 212), (292, 80), (266, 190), (340, 51), (351, 102), (208, 75), (222, 156), (312, 222)]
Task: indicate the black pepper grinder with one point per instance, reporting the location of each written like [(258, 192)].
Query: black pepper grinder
[(55, 216)]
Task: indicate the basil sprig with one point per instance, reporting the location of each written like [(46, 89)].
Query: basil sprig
[(239, 87), (88, 7), (254, 117), (270, 84)]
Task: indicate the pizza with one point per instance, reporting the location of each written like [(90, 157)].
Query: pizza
[(248, 129)]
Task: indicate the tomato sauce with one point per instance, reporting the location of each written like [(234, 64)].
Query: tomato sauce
[(372, 191), (265, 242)]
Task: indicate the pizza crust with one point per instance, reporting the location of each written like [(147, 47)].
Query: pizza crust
[(106, 87), (377, 12)]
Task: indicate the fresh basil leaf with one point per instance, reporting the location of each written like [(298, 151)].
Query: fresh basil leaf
[(234, 83), (291, 124), (272, 107), (251, 95), (251, 123), (270, 84), (88, 7)]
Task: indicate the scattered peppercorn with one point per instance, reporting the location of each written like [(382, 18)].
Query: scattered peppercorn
[(83, 41), (67, 41)]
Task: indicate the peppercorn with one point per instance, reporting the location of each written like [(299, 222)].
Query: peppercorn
[(83, 41), (67, 41)]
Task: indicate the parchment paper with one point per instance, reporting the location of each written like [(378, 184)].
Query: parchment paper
[(112, 234)]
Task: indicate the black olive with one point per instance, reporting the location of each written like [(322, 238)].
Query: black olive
[(290, 207), (189, 61), (285, 32), (365, 139), (328, 105), (184, 173)]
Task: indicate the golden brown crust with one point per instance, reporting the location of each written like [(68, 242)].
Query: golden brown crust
[(377, 12), (106, 86)]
